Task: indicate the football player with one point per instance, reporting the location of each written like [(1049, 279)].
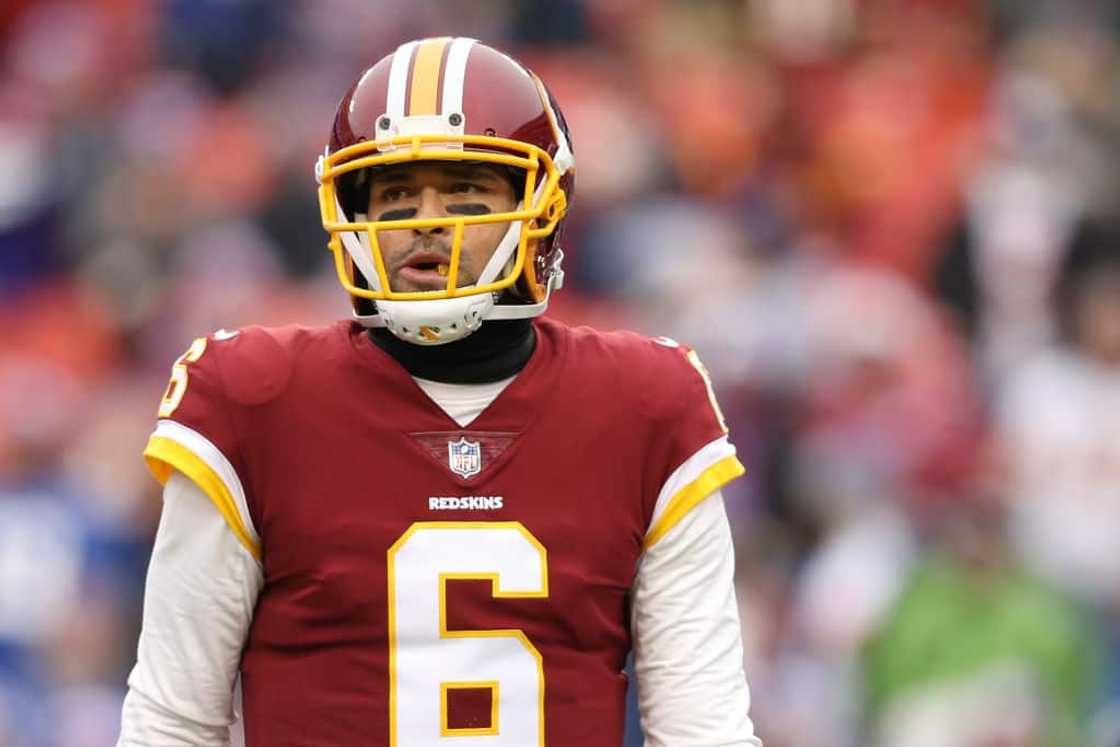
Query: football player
[(448, 520)]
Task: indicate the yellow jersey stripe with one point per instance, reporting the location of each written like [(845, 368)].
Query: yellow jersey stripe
[(164, 454), (687, 498), (423, 95)]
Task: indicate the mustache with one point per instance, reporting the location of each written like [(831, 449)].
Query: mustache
[(423, 245)]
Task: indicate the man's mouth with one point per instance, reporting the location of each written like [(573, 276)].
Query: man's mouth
[(426, 270)]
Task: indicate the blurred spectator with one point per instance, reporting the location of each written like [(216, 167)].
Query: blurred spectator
[(223, 41), (1060, 420), (1054, 135), (976, 651), (27, 208)]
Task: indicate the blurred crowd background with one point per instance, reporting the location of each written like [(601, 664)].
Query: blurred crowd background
[(888, 226)]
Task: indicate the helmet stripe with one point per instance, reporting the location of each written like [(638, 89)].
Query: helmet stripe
[(426, 65), (564, 159), (455, 74), (398, 80)]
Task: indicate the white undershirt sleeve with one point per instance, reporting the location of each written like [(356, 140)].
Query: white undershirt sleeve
[(198, 603), (688, 651)]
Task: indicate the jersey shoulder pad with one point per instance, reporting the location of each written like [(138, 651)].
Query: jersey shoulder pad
[(231, 369), (254, 363), (664, 375)]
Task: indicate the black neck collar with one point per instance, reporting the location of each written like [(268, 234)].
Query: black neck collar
[(498, 350)]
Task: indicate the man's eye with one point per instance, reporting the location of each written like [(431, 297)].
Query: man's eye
[(467, 188), (394, 193)]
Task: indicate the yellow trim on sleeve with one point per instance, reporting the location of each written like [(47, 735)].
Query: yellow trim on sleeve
[(164, 454), (688, 497)]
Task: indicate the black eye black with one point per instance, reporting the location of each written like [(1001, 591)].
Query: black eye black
[(469, 208), (398, 214)]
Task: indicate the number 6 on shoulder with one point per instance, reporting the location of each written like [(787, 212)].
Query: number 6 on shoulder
[(177, 387), (426, 660)]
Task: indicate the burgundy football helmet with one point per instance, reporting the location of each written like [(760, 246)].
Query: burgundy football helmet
[(449, 99)]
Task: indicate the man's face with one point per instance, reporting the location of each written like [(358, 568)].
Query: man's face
[(417, 259)]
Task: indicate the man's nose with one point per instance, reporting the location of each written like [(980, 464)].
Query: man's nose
[(431, 206)]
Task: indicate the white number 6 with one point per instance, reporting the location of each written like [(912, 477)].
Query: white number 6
[(426, 660)]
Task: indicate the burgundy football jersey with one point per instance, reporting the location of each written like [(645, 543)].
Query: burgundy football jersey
[(428, 584)]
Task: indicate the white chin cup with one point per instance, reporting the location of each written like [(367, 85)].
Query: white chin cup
[(436, 322)]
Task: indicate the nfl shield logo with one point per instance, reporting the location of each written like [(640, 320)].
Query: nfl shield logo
[(464, 457)]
